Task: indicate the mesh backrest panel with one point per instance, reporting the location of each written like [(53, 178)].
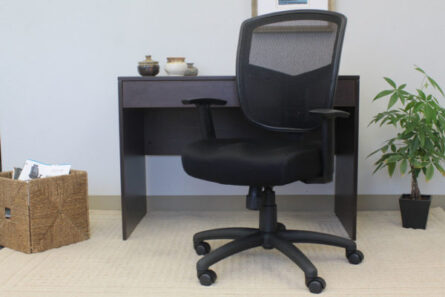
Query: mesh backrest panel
[(296, 50), (286, 68)]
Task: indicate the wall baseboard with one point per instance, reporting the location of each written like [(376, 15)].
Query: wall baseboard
[(104, 202), (229, 203)]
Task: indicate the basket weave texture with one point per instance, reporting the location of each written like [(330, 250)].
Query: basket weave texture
[(44, 213)]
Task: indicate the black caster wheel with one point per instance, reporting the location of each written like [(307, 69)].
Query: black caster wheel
[(355, 257), (207, 277), (316, 285), (281, 227), (202, 248)]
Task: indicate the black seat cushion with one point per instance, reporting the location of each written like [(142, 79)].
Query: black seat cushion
[(251, 161)]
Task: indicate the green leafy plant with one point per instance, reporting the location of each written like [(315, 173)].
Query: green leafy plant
[(419, 146)]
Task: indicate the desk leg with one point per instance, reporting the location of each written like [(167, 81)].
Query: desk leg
[(346, 171), (133, 179)]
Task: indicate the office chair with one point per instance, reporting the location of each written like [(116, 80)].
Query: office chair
[(287, 67)]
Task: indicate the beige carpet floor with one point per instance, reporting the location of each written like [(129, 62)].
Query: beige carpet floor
[(159, 261)]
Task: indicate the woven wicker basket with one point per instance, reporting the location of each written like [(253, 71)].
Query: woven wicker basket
[(43, 213)]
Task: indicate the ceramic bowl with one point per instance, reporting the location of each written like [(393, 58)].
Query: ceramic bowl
[(176, 66), (148, 67), (148, 70)]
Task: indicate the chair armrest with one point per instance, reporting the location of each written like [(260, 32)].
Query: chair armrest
[(330, 113), (328, 117), (205, 114), (201, 101)]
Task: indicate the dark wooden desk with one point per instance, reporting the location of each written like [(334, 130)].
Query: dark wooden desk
[(153, 121)]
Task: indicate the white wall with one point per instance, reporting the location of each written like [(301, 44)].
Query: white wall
[(386, 38), (59, 62)]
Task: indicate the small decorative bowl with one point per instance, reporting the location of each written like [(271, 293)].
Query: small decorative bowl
[(175, 66), (148, 67), (191, 70)]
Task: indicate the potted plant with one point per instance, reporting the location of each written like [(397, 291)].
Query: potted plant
[(419, 145)]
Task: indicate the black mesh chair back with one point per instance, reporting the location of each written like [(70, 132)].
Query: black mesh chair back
[(287, 64)]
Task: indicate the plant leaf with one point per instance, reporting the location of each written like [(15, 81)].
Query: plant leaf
[(422, 139), (440, 168), (401, 87), (416, 164), (391, 82), (410, 105), (417, 107), (378, 167), (421, 94), (393, 100), (429, 112), (391, 168), (403, 166), (429, 172), (420, 70), (394, 158), (375, 152), (383, 94), (435, 85)]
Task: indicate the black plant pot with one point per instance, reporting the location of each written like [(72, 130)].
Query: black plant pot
[(414, 212)]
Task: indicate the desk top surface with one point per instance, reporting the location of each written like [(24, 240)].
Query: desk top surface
[(203, 78)]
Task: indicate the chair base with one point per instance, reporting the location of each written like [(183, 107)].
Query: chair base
[(271, 234)]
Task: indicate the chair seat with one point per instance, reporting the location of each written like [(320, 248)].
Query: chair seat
[(251, 161)]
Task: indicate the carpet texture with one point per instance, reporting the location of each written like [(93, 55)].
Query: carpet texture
[(158, 260)]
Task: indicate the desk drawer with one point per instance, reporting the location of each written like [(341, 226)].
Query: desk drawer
[(164, 94), (169, 93)]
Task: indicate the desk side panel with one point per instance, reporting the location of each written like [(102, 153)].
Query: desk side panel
[(133, 179), (347, 133), (345, 94)]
